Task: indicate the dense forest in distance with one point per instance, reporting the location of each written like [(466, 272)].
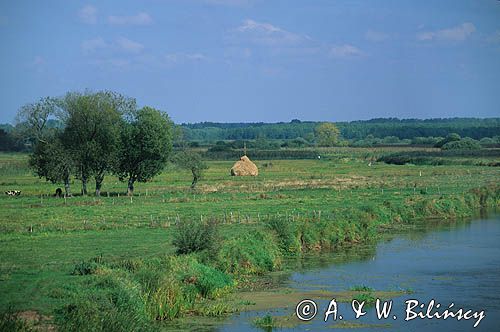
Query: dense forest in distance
[(355, 130), (296, 133)]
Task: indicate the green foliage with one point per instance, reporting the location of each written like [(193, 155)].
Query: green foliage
[(368, 298), (361, 288), (191, 161), (463, 144), (287, 233), (265, 323), (9, 142), (194, 236), (484, 157), (89, 266), (146, 143), (110, 302), (327, 134), (453, 137), (10, 322), (354, 130), (251, 253), (92, 132), (52, 161)]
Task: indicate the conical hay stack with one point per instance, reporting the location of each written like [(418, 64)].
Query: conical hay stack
[(244, 167)]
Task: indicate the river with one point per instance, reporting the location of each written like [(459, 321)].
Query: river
[(450, 262)]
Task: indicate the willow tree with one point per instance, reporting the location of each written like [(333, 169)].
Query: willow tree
[(145, 146), (92, 132)]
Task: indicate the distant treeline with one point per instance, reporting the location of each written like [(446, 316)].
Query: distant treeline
[(296, 134), (355, 130)]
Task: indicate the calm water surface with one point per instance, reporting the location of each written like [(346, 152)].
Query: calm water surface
[(456, 262)]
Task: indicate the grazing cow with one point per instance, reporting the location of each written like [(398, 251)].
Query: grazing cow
[(58, 193), (13, 192)]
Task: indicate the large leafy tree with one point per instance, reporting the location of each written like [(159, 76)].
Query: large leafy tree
[(192, 161), (327, 134), (92, 132), (146, 143)]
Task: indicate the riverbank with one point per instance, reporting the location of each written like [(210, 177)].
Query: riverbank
[(132, 293)]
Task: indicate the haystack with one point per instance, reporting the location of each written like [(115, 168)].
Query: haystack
[(244, 167)]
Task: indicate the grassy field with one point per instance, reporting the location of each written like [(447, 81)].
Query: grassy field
[(42, 238)]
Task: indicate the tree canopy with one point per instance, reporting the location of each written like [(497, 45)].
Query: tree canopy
[(146, 143)]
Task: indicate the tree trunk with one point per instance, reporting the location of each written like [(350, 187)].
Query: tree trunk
[(84, 185), (67, 190), (195, 179), (130, 189), (98, 184)]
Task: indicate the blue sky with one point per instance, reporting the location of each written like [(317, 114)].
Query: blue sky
[(257, 60)]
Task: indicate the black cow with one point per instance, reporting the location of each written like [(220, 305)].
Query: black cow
[(58, 193), (13, 192)]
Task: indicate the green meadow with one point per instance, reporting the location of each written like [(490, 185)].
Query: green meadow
[(58, 256)]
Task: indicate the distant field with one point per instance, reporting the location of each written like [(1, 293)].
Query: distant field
[(294, 186), (41, 237)]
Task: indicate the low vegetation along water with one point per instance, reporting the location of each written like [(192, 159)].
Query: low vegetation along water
[(450, 262)]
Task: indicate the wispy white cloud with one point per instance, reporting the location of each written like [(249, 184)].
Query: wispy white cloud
[(92, 45), (139, 19), (128, 45), (268, 34), (376, 36), (494, 37), (253, 37), (178, 58), (119, 45), (88, 14), (457, 33), (345, 51)]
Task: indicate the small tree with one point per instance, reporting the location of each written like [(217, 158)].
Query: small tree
[(32, 120), (51, 161), (327, 134), (191, 161), (146, 143)]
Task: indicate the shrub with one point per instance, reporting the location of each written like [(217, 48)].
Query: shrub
[(449, 138), (463, 144), (86, 267), (194, 236), (251, 253), (287, 233)]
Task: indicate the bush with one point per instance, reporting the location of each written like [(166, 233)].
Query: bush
[(86, 267), (463, 144), (287, 233), (194, 236), (251, 253)]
